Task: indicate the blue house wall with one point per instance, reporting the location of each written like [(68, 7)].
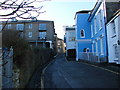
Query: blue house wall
[(95, 32), (82, 24), (101, 32)]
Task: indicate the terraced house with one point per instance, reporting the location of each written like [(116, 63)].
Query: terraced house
[(70, 41), (91, 31), (39, 33), (113, 38)]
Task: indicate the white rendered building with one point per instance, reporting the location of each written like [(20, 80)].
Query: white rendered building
[(113, 38), (70, 41)]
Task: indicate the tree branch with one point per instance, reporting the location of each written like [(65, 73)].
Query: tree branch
[(17, 8)]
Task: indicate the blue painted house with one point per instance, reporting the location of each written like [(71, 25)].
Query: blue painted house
[(91, 34), (83, 33)]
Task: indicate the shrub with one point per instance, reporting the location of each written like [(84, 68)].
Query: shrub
[(20, 46)]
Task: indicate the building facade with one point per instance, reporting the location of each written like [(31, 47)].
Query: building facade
[(70, 41), (91, 32), (83, 33), (38, 33), (60, 46), (98, 31), (113, 27)]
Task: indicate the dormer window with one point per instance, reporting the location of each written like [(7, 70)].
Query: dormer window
[(82, 33)]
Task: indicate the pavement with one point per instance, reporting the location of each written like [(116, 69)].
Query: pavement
[(63, 74)]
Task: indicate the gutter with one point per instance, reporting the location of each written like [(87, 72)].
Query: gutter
[(94, 10)]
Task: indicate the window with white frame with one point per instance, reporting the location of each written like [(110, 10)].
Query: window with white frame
[(115, 48), (82, 33), (42, 35), (101, 46), (42, 26), (9, 26), (0, 27), (92, 47), (113, 27), (30, 26), (30, 34), (100, 19), (71, 36), (91, 30), (96, 48), (20, 26), (95, 26)]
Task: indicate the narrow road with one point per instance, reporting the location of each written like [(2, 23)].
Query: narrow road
[(63, 74)]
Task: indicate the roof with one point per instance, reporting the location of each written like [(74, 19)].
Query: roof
[(116, 14), (111, 8), (82, 12), (94, 10), (27, 21), (68, 28)]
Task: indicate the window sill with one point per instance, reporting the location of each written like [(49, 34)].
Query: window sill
[(116, 60), (95, 33), (114, 36), (82, 37), (101, 54), (100, 29)]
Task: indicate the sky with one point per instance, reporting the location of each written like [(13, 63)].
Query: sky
[(62, 12)]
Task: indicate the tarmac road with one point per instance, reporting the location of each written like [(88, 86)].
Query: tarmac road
[(63, 74)]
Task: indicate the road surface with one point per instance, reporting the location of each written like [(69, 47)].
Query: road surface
[(63, 74)]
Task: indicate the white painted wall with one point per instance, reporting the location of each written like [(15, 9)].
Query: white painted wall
[(69, 44), (118, 37), (112, 39)]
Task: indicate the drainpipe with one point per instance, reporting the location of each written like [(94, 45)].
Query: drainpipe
[(36, 43)]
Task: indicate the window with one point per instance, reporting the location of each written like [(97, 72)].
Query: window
[(92, 47), (30, 34), (21, 34), (113, 28), (30, 26), (87, 50), (91, 30), (71, 36), (0, 27), (95, 26), (42, 26), (82, 33), (96, 48), (115, 48), (100, 19), (42, 35), (9, 26), (101, 46), (20, 26)]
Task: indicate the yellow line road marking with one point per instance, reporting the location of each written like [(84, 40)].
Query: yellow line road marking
[(104, 69)]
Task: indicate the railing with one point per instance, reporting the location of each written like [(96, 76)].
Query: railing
[(89, 56)]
